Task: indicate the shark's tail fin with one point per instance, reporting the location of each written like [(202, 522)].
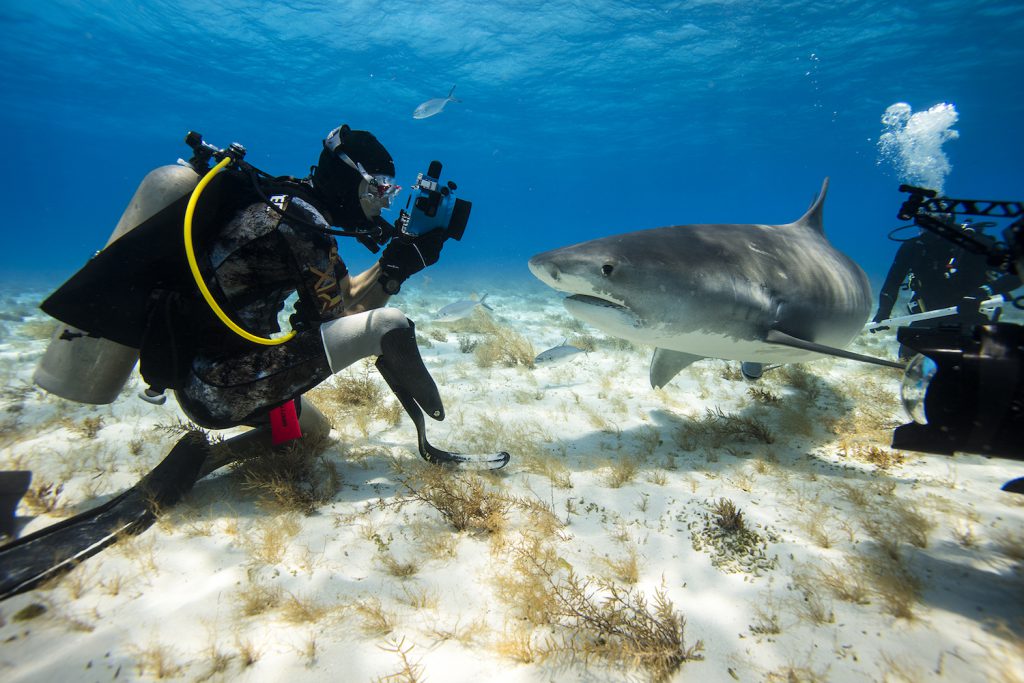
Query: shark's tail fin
[(813, 218)]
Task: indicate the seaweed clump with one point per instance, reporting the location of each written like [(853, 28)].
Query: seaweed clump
[(618, 625), (297, 477), (717, 428), (882, 458), (504, 347), (594, 619), (355, 397), (734, 547), (464, 500)]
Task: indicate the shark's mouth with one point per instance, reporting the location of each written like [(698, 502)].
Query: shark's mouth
[(607, 316), (587, 300)]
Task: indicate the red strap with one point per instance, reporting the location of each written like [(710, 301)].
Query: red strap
[(284, 424)]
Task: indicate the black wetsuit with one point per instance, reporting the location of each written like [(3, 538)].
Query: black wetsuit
[(253, 263), (942, 275)]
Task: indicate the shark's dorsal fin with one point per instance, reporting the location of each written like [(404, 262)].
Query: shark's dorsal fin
[(666, 364), (812, 219)]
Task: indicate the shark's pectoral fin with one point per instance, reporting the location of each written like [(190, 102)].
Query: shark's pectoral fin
[(783, 339), (666, 364)]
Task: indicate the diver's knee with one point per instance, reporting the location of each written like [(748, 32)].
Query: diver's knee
[(383, 320), (353, 337)]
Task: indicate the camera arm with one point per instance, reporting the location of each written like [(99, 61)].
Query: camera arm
[(922, 205), (928, 201)]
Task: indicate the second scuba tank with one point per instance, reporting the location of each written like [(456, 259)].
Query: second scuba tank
[(90, 369)]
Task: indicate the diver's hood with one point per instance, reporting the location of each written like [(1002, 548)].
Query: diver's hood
[(336, 183)]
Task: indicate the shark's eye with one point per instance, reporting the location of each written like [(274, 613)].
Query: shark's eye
[(607, 269)]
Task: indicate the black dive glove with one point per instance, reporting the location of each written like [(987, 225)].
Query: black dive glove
[(405, 256), (885, 304), (879, 317)]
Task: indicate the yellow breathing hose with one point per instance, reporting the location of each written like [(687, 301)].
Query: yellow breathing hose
[(190, 253)]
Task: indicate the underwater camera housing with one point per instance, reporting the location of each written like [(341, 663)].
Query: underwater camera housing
[(970, 395), (434, 207), (966, 389)]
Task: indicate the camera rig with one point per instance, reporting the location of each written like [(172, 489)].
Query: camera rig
[(434, 207), (924, 207), (967, 390)]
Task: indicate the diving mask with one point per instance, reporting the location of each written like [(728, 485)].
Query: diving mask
[(376, 193), (375, 190)]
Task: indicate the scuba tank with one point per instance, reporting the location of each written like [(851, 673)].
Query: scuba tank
[(122, 300), (91, 369)]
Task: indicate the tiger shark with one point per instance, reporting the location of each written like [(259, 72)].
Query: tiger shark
[(753, 293)]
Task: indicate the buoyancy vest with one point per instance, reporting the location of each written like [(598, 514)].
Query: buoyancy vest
[(139, 292)]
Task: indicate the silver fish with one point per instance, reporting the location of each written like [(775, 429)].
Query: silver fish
[(557, 354), (434, 106), (459, 310)]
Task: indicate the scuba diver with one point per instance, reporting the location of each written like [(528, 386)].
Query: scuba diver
[(941, 275), (194, 285), (200, 315)]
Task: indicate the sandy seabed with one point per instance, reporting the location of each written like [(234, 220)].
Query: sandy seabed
[(716, 530)]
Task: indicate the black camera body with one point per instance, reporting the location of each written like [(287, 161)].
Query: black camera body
[(975, 396)]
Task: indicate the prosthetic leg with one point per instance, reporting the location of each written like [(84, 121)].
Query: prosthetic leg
[(401, 366), (389, 335)]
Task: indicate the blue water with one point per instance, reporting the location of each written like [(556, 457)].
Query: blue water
[(577, 120)]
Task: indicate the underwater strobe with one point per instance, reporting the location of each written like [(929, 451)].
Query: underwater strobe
[(965, 391), (434, 207)]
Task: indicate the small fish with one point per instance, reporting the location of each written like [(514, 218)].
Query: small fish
[(434, 106), (459, 310), (557, 354)]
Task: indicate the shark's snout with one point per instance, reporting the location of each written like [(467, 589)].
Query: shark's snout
[(544, 268)]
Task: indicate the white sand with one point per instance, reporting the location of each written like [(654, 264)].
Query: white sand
[(944, 603)]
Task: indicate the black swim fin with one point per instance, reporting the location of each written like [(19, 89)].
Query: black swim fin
[(1014, 485), (30, 560), (13, 486)]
